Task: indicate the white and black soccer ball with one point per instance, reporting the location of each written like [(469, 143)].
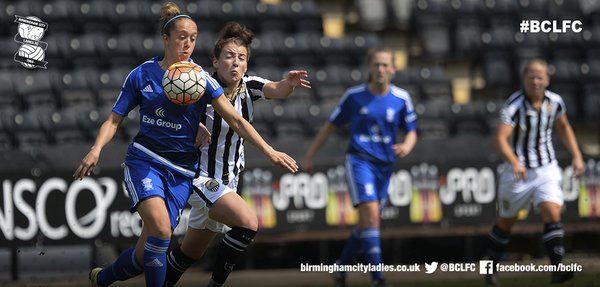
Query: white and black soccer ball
[(184, 83)]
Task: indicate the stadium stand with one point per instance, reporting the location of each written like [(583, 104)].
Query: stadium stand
[(93, 45)]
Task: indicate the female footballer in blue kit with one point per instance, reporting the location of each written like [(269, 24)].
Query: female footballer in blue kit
[(215, 201), (375, 112), (161, 162)]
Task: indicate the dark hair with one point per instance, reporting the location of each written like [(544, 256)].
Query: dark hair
[(168, 12), (233, 32)]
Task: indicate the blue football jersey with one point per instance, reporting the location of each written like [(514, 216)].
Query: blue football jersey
[(165, 128), (375, 120)]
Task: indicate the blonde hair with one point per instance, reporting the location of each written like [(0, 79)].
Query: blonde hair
[(167, 12), (532, 62), (376, 50)]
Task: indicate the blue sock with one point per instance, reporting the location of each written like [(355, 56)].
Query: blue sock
[(350, 249), (123, 268), (155, 261), (371, 246)]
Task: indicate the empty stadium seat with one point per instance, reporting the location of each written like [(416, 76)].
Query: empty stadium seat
[(29, 128), (35, 89), (468, 8), (74, 89), (591, 103), (499, 73), (60, 16), (537, 7), (64, 128), (565, 70), (8, 95), (117, 50), (131, 16), (9, 48), (434, 83), (372, 13), (570, 95), (467, 37), (435, 38), (93, 16), (108, 84), (401, 13)]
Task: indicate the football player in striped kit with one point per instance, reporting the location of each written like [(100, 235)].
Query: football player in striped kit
[(524, 140), (375, 111), (216, 206), (161, 161)]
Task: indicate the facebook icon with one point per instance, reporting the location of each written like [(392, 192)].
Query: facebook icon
[(486, 267)]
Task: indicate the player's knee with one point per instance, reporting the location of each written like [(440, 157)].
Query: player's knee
[(240, 236), (249, 222), (160, 231), (552, 226), (505, 224)]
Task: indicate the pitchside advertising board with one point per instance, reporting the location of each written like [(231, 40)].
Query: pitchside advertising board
[(57, 210)]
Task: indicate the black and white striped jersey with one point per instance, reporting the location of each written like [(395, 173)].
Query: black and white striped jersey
[(224, 158), (532, 134)]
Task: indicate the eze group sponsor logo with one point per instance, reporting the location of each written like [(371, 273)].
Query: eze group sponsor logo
[(160, 112), (32, 51)]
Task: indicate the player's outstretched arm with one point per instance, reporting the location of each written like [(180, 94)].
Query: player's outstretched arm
[(567, 136), (285, 87), (247, 131), (105, 134), (327, 129)]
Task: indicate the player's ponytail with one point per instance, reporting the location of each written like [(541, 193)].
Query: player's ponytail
[(236, 33), (168, 14)]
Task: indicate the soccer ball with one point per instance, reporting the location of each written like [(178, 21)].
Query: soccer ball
[(184, 83)]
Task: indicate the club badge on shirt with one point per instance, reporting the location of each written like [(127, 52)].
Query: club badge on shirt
[(212, 185)]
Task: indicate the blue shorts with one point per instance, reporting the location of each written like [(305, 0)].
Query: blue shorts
[(145, 179), (367, 181)]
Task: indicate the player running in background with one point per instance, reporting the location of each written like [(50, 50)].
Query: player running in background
[(161, 162), (215, 201), (375, 112), (532, 172)]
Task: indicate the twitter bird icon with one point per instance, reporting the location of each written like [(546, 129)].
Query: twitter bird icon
[(430, 268)]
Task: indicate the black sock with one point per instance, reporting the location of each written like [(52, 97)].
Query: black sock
[(177, 264), (554, 240), (234, 243), (496, 242)]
